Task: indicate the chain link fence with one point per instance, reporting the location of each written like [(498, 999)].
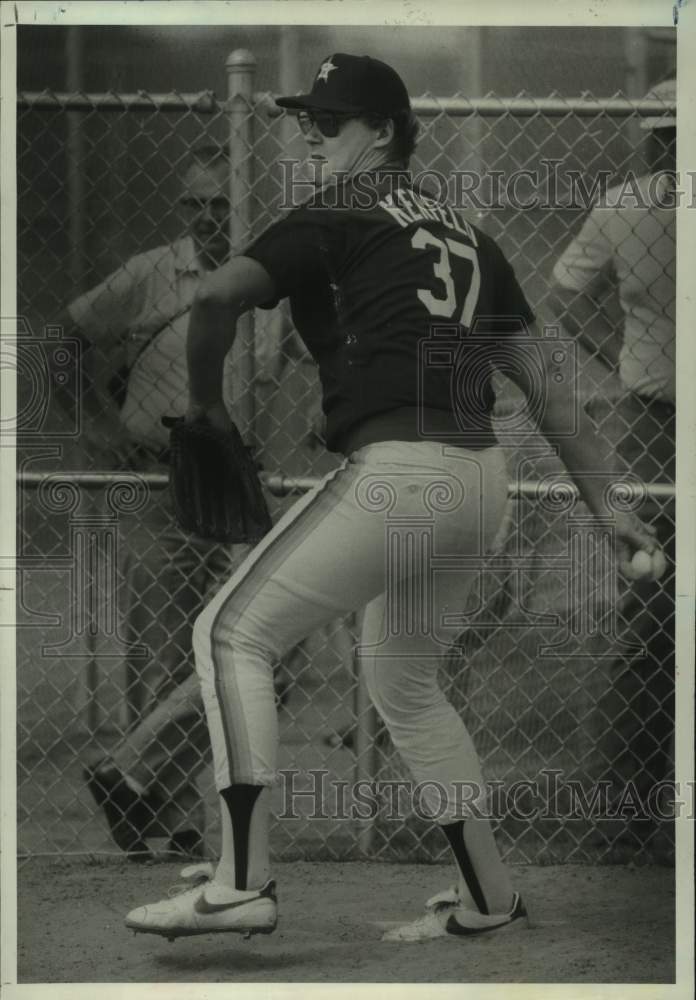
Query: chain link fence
[(109, 587)]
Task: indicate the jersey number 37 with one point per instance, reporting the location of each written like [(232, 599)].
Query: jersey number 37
[(447, 305)]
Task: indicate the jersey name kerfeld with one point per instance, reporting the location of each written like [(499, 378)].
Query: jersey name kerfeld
[(408, 207)]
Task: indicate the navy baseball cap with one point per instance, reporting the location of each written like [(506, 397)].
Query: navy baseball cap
[(353, 84)]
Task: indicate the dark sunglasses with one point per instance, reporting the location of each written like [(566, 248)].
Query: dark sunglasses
[(329, 123)]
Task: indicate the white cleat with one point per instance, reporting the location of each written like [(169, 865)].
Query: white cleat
[(209, 909), (446, 917)]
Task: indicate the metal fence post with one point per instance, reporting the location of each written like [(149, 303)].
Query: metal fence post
[(240, 371), (75, 151), (366, 764)]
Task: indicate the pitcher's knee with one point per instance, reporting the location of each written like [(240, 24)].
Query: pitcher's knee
[(217, 638), (396, 697)]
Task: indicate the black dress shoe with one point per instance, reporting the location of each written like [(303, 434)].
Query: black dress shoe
[(187, 844), (127, 813)]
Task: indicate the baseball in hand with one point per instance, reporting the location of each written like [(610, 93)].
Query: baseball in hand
[(643, 565)]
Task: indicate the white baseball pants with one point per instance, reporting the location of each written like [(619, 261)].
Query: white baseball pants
[(391, 530)]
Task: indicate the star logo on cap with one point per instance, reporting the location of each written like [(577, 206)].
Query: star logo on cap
[(326, 68)]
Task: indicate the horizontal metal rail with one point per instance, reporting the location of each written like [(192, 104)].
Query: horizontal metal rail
[(281, 485), (519, 107), (551, 107), (486, 107), (204, 102)]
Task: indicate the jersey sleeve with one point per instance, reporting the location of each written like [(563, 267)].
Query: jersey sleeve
[(583, 264), (295, 252)]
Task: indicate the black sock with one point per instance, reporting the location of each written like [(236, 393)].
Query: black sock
[(455, 834), (240, 801)]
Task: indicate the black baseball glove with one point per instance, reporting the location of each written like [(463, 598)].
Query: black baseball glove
[(214, 483)]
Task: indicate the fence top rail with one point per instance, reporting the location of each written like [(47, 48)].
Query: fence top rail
[(487, 107), (553, 107), (52, 100), (522, 107)]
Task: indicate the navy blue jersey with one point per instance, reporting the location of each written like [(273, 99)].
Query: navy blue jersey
[(399, 302)]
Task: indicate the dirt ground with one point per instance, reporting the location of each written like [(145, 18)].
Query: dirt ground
[(588, 928)]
